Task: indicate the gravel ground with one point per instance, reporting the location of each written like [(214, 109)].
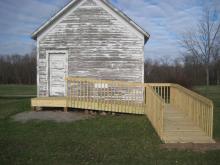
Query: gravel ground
[(57, 116)]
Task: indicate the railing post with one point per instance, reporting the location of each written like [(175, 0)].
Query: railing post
[(172, 94), (212, 120), (66, 93)]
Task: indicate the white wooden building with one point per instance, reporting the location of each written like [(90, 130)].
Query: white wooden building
[(88, 38)]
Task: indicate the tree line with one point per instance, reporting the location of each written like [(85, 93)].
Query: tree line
[(18, 69), (187, 71)]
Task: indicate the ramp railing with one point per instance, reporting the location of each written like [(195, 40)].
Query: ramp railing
[(116, 96), (198, 108), (140, 98)]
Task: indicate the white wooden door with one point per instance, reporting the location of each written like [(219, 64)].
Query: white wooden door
[(57, 73)]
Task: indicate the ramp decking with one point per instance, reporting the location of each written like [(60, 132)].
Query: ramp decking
[(178, 128)]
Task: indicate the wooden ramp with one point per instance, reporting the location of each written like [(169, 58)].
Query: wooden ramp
[(178, 128), (177, 114)]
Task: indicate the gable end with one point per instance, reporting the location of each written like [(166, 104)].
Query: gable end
[(76, 3)]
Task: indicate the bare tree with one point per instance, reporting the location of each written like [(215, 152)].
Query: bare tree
[(202, 43)]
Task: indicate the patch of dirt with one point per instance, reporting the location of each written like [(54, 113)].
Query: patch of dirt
[(192, 147), (57, 116)]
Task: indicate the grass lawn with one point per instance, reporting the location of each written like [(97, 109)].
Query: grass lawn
[(124, 139), (7, 90)]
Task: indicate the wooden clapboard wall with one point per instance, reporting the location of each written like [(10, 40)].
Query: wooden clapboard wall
[(99, 45)]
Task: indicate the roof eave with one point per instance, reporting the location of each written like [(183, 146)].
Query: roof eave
[(146, 38), (33, 36)]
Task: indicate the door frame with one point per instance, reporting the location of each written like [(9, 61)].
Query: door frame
[(48, 52)]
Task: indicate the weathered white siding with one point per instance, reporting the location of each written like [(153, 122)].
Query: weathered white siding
[(99, 46)]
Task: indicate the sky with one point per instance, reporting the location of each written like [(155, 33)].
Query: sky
[(165, 20)]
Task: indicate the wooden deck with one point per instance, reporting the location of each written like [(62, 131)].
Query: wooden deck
[(177, 114)]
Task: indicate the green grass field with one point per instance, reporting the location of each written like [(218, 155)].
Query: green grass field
[(124, 139), (7, 90)]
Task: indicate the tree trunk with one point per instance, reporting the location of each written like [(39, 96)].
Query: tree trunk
[(207, 76)]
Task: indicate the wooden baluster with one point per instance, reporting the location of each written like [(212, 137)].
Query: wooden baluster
[(72, 95), (113, 92), (87, 95), (100, 94), (93, 94), (127, 100), (77, 88), (165, 94), (103, 96), (80, 93), (206, 119), (211, 120), (110, 97), (135, 101), (83, 94), (119, 98)]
